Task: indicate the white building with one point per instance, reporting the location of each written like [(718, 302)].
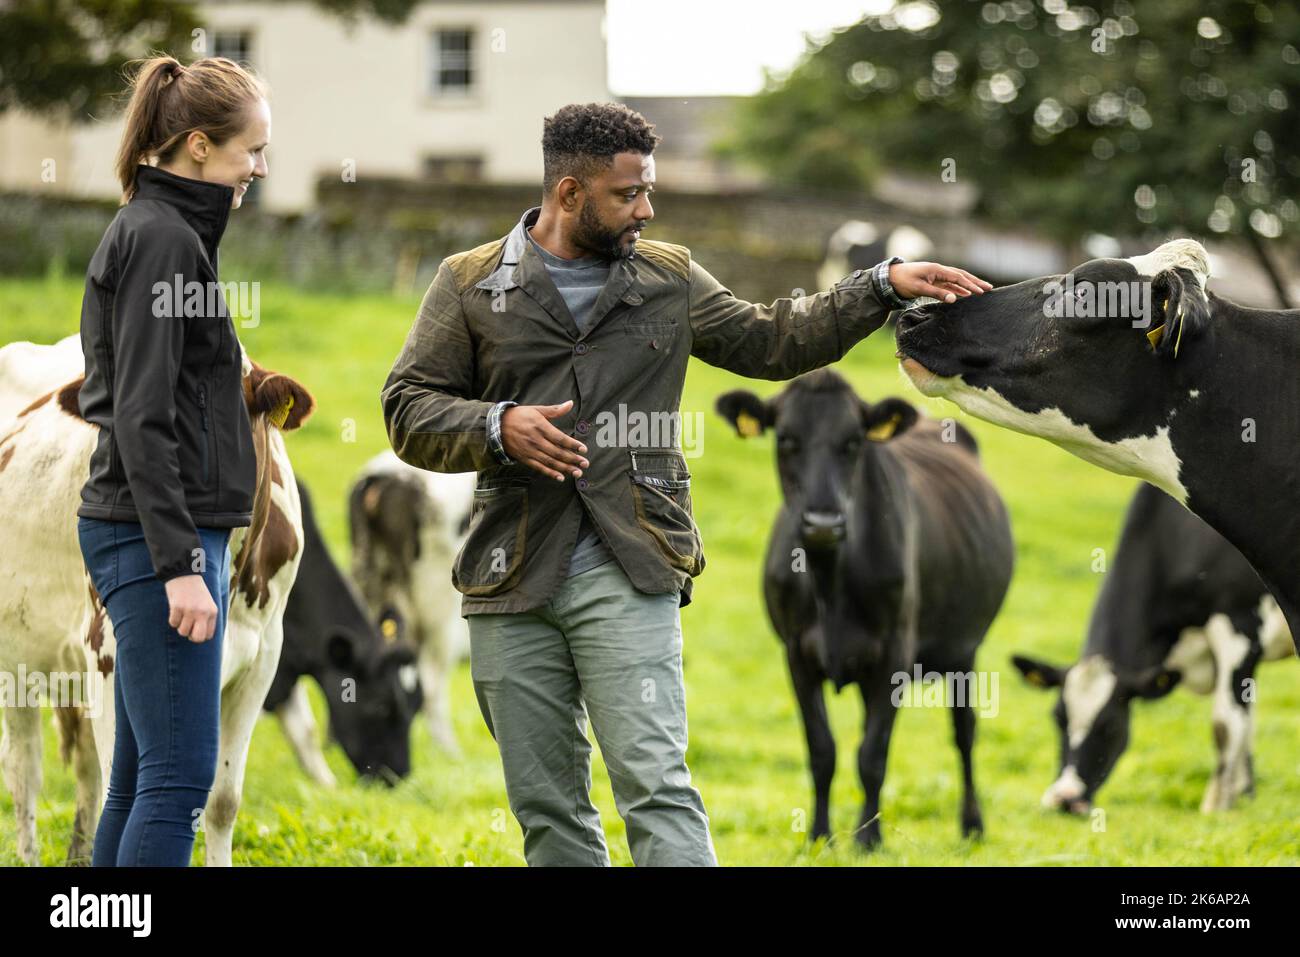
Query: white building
[(459, 91)]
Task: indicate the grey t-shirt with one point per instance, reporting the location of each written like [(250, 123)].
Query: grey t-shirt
[(579, 282)]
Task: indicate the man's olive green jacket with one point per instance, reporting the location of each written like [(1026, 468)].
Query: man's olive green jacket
[(494, 328)]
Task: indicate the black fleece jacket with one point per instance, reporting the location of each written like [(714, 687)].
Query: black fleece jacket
[(164, 377)]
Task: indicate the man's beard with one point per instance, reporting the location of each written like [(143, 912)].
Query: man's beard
[(593, 236)]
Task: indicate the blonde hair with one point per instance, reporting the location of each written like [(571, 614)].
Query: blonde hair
[(169, 100)]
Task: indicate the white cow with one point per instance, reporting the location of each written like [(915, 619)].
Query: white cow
[(407, 526), (50, 617)]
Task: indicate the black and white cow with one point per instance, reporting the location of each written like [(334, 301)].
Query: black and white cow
[(1179, 606), (364, 667), (891, 549), (407, 526), (1135, 366)]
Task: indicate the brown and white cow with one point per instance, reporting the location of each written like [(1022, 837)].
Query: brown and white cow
[(51, 621)]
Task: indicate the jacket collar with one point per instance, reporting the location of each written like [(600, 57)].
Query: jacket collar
[(205, 206), (520, 266), (503, 277)]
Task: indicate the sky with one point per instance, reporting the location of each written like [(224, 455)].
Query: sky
[(713, 47)]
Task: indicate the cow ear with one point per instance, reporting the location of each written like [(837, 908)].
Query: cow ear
[(888, 419), (748, 414), (1180, 311), (285, 402), (1039, 673), (1154, 682)]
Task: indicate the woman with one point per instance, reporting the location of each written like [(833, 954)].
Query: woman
[(174, 469)]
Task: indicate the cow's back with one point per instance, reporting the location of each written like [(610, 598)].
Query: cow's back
[(44, 458), (29, 370), (965, 549)]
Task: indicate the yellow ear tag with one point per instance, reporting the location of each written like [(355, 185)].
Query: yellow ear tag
[(388, 628), (280, 415), (1155, 335), (883, 431), (747, 425), (1179, 341)]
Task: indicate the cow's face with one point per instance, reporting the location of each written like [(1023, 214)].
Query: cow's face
[(374, 728), (823, 432), (1092, 721), (845, 521), (1088, 360)]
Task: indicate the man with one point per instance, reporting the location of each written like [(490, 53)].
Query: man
[(581, 545)]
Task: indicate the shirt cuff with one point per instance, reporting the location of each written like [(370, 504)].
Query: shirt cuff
[(494, 432), (884, 288)]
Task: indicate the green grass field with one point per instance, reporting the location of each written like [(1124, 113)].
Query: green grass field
[(747, 753)]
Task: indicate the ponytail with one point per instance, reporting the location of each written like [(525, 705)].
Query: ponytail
[(169, 100)]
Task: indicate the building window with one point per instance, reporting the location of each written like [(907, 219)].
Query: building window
[(453, 62), (452, 169), (234, 45)]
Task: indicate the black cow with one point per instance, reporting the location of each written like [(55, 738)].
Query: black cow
[(366, 670), (1178, 605), (892, 549), (1135, 366)]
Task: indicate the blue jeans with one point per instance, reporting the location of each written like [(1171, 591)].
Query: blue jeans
[(166, 695)]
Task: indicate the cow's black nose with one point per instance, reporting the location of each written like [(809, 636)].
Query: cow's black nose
[(822, 529)]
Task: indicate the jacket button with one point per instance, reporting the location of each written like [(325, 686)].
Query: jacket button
[(580, 349), (582, 485), (583, 427)]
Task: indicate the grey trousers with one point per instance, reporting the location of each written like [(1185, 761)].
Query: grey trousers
[(601, 644)]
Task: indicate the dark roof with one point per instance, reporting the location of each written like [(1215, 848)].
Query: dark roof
[(689, 125)]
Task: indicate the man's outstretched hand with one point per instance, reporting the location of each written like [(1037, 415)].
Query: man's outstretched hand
[(528, 437), (937, 281)]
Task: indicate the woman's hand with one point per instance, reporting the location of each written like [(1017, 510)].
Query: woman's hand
[(193, 612), (931, 279)]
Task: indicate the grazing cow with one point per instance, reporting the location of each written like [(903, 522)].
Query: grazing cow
[(892, 550), (1179, 606), (364, 667), (407, 526), (51, 618), (1134, 365)]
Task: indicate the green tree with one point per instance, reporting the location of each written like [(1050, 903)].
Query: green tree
[(1177, 116)]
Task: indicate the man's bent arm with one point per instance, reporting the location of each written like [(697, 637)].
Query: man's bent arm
[(431, 418)]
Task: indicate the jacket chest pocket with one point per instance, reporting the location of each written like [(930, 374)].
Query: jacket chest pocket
[(661, 499), (492, 557), (656, 321), (653, 327)]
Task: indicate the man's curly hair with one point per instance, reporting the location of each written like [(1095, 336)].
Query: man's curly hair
[(582, 138)]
